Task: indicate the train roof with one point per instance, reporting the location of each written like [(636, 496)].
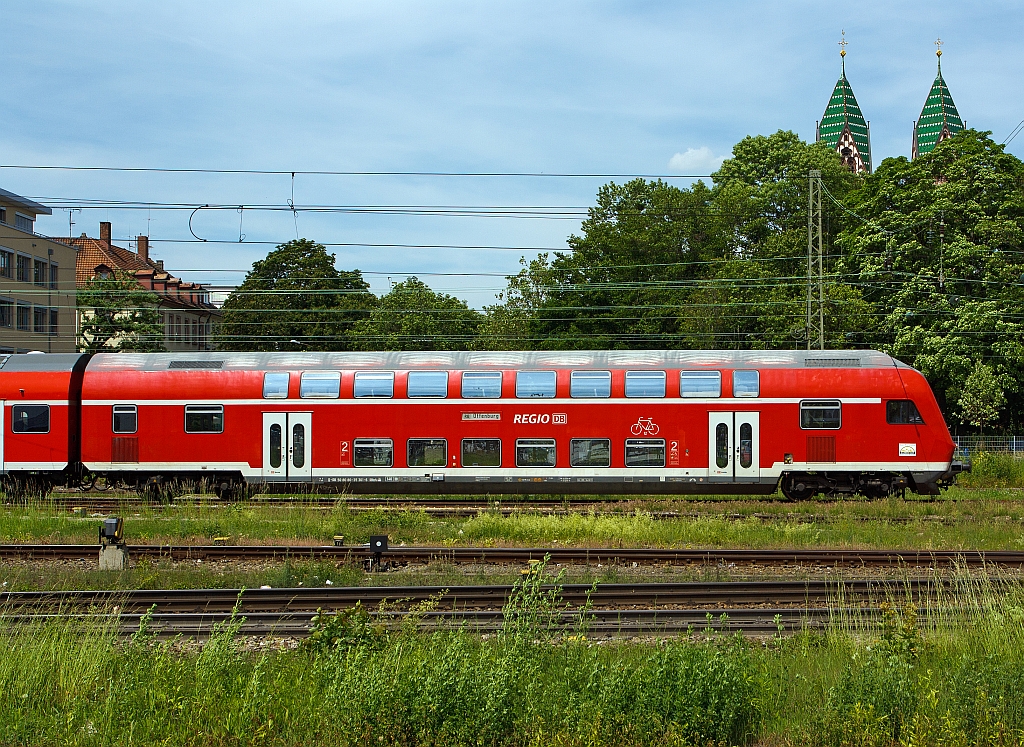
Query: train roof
[(606, 359), (39, 362)]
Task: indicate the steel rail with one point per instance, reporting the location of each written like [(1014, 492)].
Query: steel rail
[(605, 596), (562, 555)]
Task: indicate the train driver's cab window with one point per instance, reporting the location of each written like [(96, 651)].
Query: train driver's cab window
[(481, 384), (821, 414), (700, 383), (746, 384), (428, 384), (535, 384), (373, 452), (126, 419), (275, 386), (590, 452), (645, 383), (320, 385), (535, 452), (204, 418), (374, 384), (645, 452), (427, 452), (30, 419), (590, 384), (481, 452), (902, 412)]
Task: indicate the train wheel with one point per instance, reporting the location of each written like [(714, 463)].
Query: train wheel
[(799, 488)]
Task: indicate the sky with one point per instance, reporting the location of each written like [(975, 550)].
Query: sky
[(624, 88)]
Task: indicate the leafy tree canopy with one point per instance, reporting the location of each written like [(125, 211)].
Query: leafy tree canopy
[(118, 314), (296, 293), (413, 317)]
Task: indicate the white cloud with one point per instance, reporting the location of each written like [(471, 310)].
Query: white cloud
[(696, 161)]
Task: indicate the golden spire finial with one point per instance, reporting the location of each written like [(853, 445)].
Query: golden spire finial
[(938, 47), (842, 45)]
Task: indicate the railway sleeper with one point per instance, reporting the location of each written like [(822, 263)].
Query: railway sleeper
[(799, 486)]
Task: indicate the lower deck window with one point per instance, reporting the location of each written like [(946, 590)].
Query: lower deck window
[(373, 452), (645, 452), (535, 452), (204, 418), (30, 419), (481, 452), (427, 452), (820, 414), (590, 452), (126, 419), (902, 412)]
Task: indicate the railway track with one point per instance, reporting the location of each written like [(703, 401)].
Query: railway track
[(510, 555), (754, 608)]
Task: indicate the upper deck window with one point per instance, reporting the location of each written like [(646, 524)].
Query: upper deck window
[(374, 384), (821, 414), (590, 384), (746, 384), (30, 419), (481, 384), (700, 383), (645, 383), (428, 384), (902, 412), (320, 384), (275, 386), (532, 384)]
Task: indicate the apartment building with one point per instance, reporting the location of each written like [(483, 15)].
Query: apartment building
[(37, 282), (186, 314)]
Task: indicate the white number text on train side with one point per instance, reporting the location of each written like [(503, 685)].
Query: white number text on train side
[(645, 427), (556, 418)]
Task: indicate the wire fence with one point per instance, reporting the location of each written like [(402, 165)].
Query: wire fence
[(967, 445)]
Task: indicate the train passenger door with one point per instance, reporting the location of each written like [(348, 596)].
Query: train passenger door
[(286, 448), (734, 445), (3, 427)]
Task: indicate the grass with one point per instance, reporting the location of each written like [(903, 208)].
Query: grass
[(916, 679), (990, 470)]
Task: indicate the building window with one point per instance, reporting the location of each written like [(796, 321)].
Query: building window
[(481, 452), (645, 383), (745, 384), (590, 452), (481, 384), (374, 384), (23, 222), (645, 452), (6, 312), (126, 419), (275, 385), (3, 215), (6, 263), (177, 327), (427, 452), (902, 412), (30, 419), (24, 317), (820, 414), (41, 319), (535, 452), (54, 277), (590, 384), (188, 332), (534, 384), (54, 321), (39, 273), (373, 452), (24, 269), (320, 385), (428, 384), (204, 418), (700, 383)]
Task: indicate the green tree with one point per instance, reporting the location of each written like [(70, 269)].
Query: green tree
[(936, 246), (411, 316), (981, 398), (295, 293), (118, 314)]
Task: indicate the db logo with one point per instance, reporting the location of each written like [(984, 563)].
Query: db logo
[(557, 418)]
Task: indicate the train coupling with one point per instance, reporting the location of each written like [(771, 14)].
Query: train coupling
[(958, 466)]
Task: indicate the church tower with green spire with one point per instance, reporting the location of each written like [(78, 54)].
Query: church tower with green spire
[(843, 126), (939, 118)]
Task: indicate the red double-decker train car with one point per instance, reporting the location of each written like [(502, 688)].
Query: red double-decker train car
[(808, 422)]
